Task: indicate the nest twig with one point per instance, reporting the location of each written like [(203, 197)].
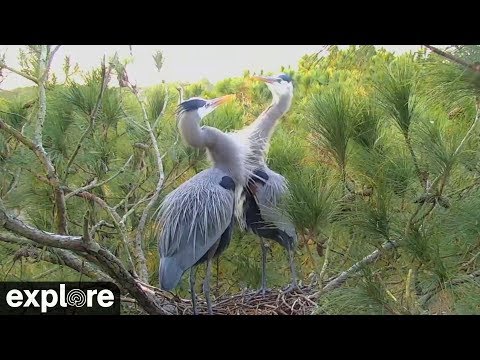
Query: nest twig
[(246, 302)]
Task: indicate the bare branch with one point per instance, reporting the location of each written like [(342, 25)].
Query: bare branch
[(129, 194), (98, 226), (94, 183), (20, 137), (18, 72), (453, 58), (106, 260), (42, 98), (55, 256), (341, 278), (134, 206), (140, 260), (49, 63), (180, 94), (119, 224), (86, 231), (14, 183), (325, 262), (41, 237)]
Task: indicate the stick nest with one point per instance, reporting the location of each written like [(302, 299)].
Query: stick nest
[(247, 302)]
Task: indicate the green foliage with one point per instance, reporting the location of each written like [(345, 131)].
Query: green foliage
[(366, 127), (396, 86), (312, 199), (352, 175), (330, 122)]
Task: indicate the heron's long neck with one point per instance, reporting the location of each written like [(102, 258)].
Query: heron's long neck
[(265, 124), (191, 132), (224, 152), (259, 133)]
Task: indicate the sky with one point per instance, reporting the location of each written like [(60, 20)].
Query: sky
[(186, 63)]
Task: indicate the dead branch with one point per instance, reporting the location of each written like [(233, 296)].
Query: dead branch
[(453, 58), (138, 252), (94, 184), (340, 279), (141, 262), (44, 76), (109, 263), (118, 222), (18, 72), (54, 256)]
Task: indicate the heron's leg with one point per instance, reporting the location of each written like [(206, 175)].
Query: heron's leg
[(206, 286), (263, 289), (193, 272), (264, 267), (294, 284), (292, 266)]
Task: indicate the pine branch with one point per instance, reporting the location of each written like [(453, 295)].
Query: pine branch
[(20, 137), (474, 276), (37, 145), (98, 225), (54, 256), (91, 250), (164, 107), (462, 144), (453, 58), (94, 184), (341, 278), (325, 262), (118, 222), (414, 158), (61, 241), (42, 97), (44, 76), (141, 262), (14, 183), (92, 117), (18, 72)]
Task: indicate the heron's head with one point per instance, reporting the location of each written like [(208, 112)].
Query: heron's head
[(202, 107), (280, 85)]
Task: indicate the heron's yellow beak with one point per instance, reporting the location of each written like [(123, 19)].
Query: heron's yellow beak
[(223, 99), (266, 79)]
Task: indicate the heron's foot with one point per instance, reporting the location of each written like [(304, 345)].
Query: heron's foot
[(292, 288)]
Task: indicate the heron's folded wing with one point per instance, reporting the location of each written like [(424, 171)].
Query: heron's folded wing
[(191, 222), (270, 198)]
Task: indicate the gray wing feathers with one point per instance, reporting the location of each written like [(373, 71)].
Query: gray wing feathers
[(271, 201), (191, 219)]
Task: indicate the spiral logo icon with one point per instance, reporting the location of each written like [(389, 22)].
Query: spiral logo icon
[(76, 297)]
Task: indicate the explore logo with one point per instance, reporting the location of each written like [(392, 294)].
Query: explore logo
[(69, 298)]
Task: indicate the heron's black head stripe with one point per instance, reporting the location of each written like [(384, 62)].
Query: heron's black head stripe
[(285, 77), (191, 105), (227, 183)]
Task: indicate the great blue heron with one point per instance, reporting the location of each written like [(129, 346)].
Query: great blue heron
[(261, 212), (197, 217)]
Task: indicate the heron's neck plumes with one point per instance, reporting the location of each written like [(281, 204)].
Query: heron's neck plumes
[(227, 154), (258, 134)]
